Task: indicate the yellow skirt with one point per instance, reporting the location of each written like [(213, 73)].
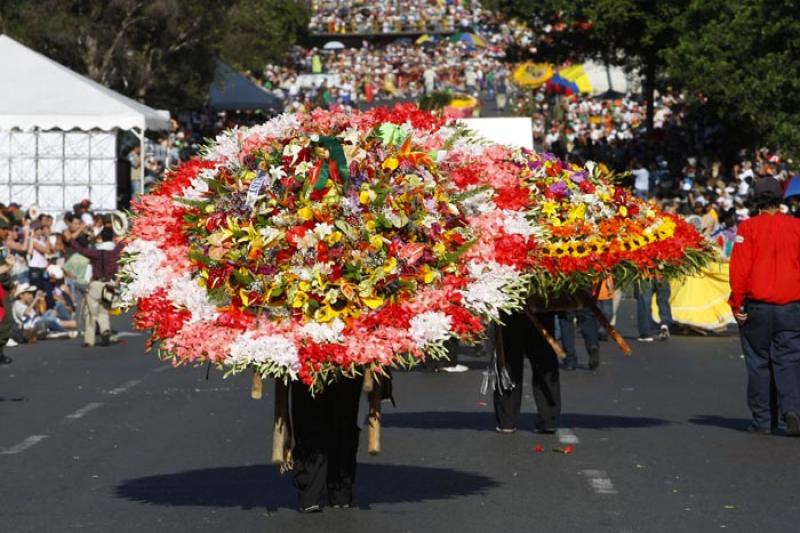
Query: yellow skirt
[(702, 301)]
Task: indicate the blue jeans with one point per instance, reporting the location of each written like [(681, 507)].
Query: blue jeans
[(771, 345), (644, 316), (50, 319), (62, 312), (590, 329), (607, 308)]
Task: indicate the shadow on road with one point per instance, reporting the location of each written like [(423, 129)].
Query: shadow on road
[(738, 424), (483, 421), (262, 486)]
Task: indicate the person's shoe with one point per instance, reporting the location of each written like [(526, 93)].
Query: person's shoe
[(663, 334), (645, 338), (57, 335), (11, 343), (87, 345), (341, 505), (792, 419), (505, 431), (455, 368), (73, 334), (569, 367), (758, 430), (547, 430), (105, 338), (5, 360), (310, 509), (594, 358)]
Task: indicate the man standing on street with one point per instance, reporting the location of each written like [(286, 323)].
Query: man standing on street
[(104, 258), (765, 298)]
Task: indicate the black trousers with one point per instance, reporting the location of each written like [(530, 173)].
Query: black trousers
[(326, 432), (520, 339), (771, 345)]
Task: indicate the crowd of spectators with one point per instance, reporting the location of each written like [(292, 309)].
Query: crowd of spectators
[(50, 265), (393, 16)]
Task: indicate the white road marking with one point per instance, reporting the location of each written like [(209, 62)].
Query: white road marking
[(162, 368), (599, 481), (83, 410), (125, 386), (128, 334), (24, 445), (566, 436)]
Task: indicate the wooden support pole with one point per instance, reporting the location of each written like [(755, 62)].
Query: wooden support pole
[(280, 429), (257, 388), (612, 332), (373, 388), (554, 344)]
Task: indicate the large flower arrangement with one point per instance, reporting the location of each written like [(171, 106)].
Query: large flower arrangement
[(319, 244), (329, 242), (589, 226)]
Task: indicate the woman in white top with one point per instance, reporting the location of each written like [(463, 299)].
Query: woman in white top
[(38, 249)]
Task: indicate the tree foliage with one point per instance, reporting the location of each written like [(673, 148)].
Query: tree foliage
[(159, 51), (744, 56)]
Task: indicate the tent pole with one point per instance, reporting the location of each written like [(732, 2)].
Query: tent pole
[(141, 161)]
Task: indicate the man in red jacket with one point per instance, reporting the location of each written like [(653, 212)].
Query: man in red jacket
[(765, 298)]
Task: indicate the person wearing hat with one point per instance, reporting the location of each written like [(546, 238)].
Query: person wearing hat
[(104, 258), (765, 298), (33, 324), (6, 263)]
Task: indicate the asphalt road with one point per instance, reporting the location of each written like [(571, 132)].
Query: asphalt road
[(115, 440)]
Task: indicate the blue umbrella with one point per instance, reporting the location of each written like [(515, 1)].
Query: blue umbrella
[(794, 187)]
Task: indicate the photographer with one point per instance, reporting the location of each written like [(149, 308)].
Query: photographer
[(104, 257)]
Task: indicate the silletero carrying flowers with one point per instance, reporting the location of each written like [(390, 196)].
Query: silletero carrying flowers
[(333, 242), (313, 245)]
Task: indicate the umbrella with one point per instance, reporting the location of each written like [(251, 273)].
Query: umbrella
[(533, 74), (470, 38), (333, 45), (794, 187)]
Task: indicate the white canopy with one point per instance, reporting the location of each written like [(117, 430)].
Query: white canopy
[(37, 92)]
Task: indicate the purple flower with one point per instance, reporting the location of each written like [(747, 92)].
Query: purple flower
[(578, 177), (535, 164), (559, 188)]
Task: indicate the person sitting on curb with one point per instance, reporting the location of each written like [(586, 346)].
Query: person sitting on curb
[(33, 324)]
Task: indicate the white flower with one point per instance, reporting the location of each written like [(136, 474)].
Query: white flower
[(478, 204), (146, 271), (429, 327), (278, 350), (515, 223), (323, 229), (186, 292), (226, 147), (292, 150), (487, 294), (324, 333), (277, 173)]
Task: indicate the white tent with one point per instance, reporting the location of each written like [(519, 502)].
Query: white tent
[(58, 131), (605, 78)]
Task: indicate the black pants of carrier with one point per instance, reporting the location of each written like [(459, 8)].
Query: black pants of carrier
[(326, 433), (521, 340)]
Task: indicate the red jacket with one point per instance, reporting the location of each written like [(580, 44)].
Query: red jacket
[(765, 263)]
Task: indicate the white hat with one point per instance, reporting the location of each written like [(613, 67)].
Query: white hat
[(23, 288), (55, 272)]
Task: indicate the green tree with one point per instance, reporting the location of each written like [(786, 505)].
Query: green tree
[(262, 31), (631, 33), (744, 56), (158, 51)]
